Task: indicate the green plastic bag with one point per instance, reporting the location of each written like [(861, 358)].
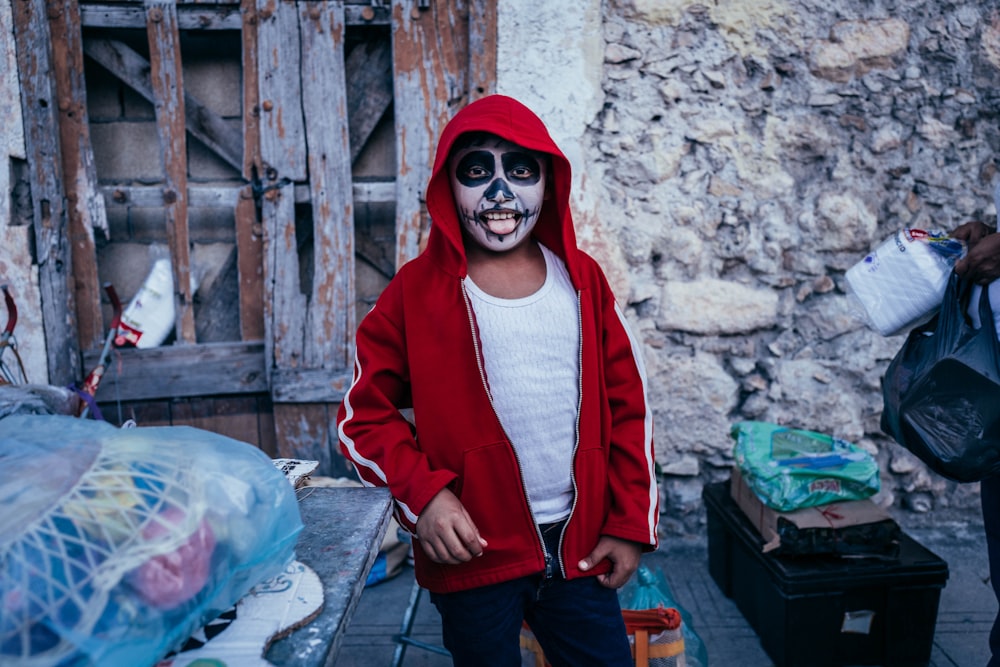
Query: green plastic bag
[(790, 468)]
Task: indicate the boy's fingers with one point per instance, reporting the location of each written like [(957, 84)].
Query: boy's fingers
[(609, 580), (470, 547), (596, 556), (475, 545), (472, 541)]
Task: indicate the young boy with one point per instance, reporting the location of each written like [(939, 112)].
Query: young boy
[(526, 471)]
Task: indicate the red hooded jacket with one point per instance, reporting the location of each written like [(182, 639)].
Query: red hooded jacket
[(419, 348)]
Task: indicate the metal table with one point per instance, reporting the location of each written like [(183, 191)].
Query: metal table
[(342, 533)]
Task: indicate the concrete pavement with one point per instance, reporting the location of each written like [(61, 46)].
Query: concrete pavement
[(965, 612)]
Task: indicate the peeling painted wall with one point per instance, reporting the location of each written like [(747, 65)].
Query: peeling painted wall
[(16, 268)]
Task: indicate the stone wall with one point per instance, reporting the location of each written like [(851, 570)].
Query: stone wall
[(743, 156), (732, 159)]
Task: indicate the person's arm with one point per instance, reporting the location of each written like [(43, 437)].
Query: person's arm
[(374, 435), (981, 263), (381, 443), (634, 495), (631, 524)]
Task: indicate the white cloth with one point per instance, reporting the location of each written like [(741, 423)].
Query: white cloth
[(531, 351)]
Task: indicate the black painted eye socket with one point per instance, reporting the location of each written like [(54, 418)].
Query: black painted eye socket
[(521, 167), (475, 167)]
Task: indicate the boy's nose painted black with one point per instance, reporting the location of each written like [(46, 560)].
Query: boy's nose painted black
[(499, 187)]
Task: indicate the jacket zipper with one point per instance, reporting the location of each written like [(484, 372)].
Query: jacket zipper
[(576, 445), (486, 387)]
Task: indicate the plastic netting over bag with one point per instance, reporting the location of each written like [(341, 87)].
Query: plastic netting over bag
[(116, 544)]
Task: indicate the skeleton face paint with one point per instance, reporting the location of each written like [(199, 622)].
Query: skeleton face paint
[(498, 188)]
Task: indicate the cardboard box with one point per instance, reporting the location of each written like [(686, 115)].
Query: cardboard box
[(850, 528), (825, 610)]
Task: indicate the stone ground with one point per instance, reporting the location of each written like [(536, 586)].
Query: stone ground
[(965, 611)]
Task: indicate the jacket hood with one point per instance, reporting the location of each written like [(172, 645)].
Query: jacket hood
[(507, 118)]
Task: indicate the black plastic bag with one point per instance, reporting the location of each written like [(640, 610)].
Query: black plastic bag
[(941, 392)]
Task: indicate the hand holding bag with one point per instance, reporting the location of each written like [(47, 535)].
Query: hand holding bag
[(941, 392)]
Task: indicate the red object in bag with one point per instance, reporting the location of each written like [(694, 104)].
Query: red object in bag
[(655, 635)]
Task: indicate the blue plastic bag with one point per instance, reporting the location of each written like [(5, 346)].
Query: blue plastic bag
[(649, 589), (117, 544)]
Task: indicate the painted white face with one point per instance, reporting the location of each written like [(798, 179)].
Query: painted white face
[(498, 188)]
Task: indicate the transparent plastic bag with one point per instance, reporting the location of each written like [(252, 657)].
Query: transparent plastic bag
[(116, 544), (649, 590)]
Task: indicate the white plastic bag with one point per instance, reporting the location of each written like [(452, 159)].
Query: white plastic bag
[(900, 284), (149, 317)]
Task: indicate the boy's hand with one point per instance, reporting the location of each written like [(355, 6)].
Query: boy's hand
[(446, 531), (982, 263), (624, 557)]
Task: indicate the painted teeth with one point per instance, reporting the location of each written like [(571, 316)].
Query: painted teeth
[(499, 215)]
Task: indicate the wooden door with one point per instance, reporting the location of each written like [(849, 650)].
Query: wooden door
[(265, 352)]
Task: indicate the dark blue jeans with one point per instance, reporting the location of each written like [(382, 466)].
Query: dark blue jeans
[(577, 622), (990, 497)]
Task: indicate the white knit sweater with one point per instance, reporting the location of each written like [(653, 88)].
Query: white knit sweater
[(531, 349)]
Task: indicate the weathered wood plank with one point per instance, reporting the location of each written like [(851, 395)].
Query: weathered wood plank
[(284, 303), (303, 432), (250, 267), (283, 156), (208, 369), (382, 192), (310, 385), (251, 91), (145, 413), (151, 196), (369, 90), (430, 52), (242, 416), (226, 196), (224, 16), (265, 421), (41, 135), (282, 131), (203, 123), (482, 48), (330, 320), (231, 416), (133, 15), (84, 204), (249, 231), (168, 94)]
